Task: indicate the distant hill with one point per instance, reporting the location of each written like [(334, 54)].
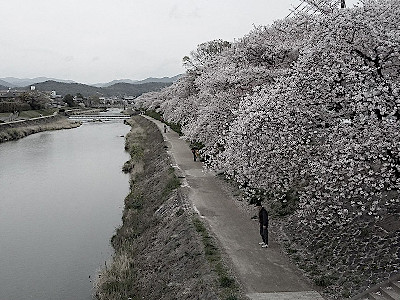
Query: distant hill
[(164, 79), (5, 84), (147, 80), (18, 82), (115, 82), (13, 82), (121, 89), (67, 88), (118, 89)]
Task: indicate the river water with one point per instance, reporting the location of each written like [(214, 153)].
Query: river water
[(61, 198)]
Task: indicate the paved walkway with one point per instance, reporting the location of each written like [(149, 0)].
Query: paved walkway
[(266, 274)]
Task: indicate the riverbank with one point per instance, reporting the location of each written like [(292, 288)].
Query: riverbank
[(162, 249), (19, 129)]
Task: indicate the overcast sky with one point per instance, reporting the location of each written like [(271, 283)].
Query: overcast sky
[(92, 41)]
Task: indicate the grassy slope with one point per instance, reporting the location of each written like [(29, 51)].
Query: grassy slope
[(161, 251), (28, 114), (10, 134)]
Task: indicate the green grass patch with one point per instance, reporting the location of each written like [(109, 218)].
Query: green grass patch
[(172, 184), (136, 151), (29, 114), (199, 227), (174, 126), (226, 283), (153, 114), (132, 240), (4, 114), (134, 201)]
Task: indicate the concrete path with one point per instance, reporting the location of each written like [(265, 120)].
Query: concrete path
[(266, 274)]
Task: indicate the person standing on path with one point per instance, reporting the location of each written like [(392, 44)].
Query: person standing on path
[(263, 219), (194, 153)]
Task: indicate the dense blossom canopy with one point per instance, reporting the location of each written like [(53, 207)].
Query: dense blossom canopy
[(307, 104), (308, 107)]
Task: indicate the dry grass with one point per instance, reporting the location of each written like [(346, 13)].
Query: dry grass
[(158, 252), (10, 134), (115, 281)]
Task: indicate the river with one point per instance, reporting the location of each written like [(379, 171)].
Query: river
[(61, 198)]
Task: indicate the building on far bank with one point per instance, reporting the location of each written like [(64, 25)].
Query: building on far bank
[(128, 100), (8, 95), (53, 95)]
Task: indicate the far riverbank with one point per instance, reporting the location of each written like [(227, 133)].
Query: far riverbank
[(19, 129)]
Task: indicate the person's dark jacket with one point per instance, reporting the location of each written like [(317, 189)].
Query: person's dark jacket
[(263, 217)]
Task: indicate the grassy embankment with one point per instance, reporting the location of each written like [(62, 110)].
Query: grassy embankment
[(23, 130), (155, 115), (162, 251), (29, 114)]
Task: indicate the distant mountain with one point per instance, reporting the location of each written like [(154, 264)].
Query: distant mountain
[(13, 82), (63, 88), (164, 79), (5, 84), (136, 89), (18, 82), (118, 89), (3, 87), (114, 82), (147, 80)]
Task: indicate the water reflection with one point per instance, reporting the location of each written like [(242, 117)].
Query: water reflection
[(61, 197)]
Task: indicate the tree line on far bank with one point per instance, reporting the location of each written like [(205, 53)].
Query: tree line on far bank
[(33, 100), (40, 99)]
